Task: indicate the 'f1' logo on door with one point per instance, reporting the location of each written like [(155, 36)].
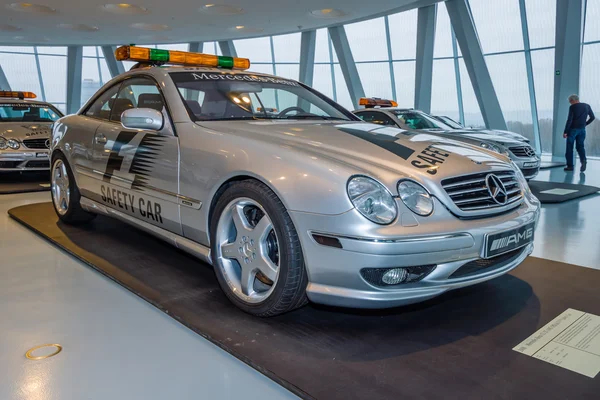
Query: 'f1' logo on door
[(121, 157)]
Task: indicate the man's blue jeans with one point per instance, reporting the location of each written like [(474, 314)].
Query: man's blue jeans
[(577, 137)]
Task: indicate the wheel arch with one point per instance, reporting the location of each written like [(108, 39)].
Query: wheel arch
[(238, 177), (55, 153)]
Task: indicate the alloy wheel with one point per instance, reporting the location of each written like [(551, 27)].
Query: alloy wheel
[(61, 193), (248, 250)]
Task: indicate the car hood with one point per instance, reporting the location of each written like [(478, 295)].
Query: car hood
[(498, 137), (371, 148), (25, 130), (504, 135)]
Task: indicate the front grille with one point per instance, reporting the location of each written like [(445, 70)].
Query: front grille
[(483, 265), (37, 143), (522, 151), (38, 164), (470, 192)]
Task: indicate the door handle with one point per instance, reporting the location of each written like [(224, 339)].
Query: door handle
[(100, 138)]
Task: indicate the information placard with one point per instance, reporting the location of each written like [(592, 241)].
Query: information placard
[(571, 341)]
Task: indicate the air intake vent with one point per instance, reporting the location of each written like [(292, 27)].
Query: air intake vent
[(37, 143)]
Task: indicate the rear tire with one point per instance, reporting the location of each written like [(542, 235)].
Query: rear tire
[(65, 194), (256, 252)]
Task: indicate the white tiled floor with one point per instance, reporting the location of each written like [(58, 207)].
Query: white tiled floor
[(570, 232), (116, 346)]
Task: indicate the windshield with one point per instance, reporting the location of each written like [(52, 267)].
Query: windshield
[(214, 96), (417, 120), (22, 112)]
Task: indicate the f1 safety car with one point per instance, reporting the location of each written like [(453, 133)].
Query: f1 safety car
[(304, 203), (25, 132), (512, 144)]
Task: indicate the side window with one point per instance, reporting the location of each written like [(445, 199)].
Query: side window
[(376, 118), (137, 93), (366, 116), (413, 121), (102, 106)]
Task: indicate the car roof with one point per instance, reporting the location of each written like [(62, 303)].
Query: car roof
[(389, 109), (161, 70), (23, 101)]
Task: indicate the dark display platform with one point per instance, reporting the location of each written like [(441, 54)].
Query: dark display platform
[(456, 346), (562, 191), (11, 183), (551, 164)]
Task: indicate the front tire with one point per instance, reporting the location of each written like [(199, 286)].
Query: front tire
[(65, 194), (256, 251)]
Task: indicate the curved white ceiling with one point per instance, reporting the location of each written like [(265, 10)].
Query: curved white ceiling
[(86, 22)]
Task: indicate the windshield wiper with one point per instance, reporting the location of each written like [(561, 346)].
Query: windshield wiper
[(324, 117)]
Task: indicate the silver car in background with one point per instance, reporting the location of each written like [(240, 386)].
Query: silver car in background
[(512, 144), (286, 194), (25, 128)]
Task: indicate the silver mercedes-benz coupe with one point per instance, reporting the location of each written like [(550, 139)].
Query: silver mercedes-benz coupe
[(25, 132), (512, 144), (289, 196)]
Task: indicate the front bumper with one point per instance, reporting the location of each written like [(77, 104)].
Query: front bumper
[(24, 160), (530, 167), (334, 273)]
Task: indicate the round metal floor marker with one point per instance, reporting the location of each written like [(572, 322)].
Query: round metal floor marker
[(57, 347)]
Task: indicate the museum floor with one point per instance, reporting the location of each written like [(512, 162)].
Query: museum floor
[(116, 345)]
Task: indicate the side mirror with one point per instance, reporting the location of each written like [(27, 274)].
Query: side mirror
[(142, 118)]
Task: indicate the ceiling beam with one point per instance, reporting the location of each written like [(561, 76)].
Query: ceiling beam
[(468, 40), (567, 64), (4, 84), (196, 47), (339, 39), (426, 20), (74, 68), (530, 78), (307, 57), (228, 48), (114, 67)]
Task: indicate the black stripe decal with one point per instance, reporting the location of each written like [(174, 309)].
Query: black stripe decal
[(386, 142)]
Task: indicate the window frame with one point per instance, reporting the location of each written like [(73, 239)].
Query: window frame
[(119, 81), (95, 98)]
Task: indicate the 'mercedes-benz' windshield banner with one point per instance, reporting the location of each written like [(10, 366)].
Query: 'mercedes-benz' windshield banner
[(231, 77), (24, 105)]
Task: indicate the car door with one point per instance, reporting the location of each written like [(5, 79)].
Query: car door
[(137, 171)]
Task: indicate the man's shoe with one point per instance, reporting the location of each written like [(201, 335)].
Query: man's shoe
[(583, 167), (568, 168)]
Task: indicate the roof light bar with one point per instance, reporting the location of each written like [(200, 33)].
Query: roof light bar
[(158, 56), (17, 95), (370, 102)]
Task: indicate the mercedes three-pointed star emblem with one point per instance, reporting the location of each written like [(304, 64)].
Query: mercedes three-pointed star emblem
[(496, 189)]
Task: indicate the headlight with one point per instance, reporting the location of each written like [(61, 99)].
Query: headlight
[(372, 200), (491, 147), (3, 143), (520, 177), (416, 198), (13, 144)]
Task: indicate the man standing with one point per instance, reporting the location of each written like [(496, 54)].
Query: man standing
[(575, 130)]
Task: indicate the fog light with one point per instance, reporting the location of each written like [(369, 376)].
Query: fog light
[(384, 277), (394, 276)]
